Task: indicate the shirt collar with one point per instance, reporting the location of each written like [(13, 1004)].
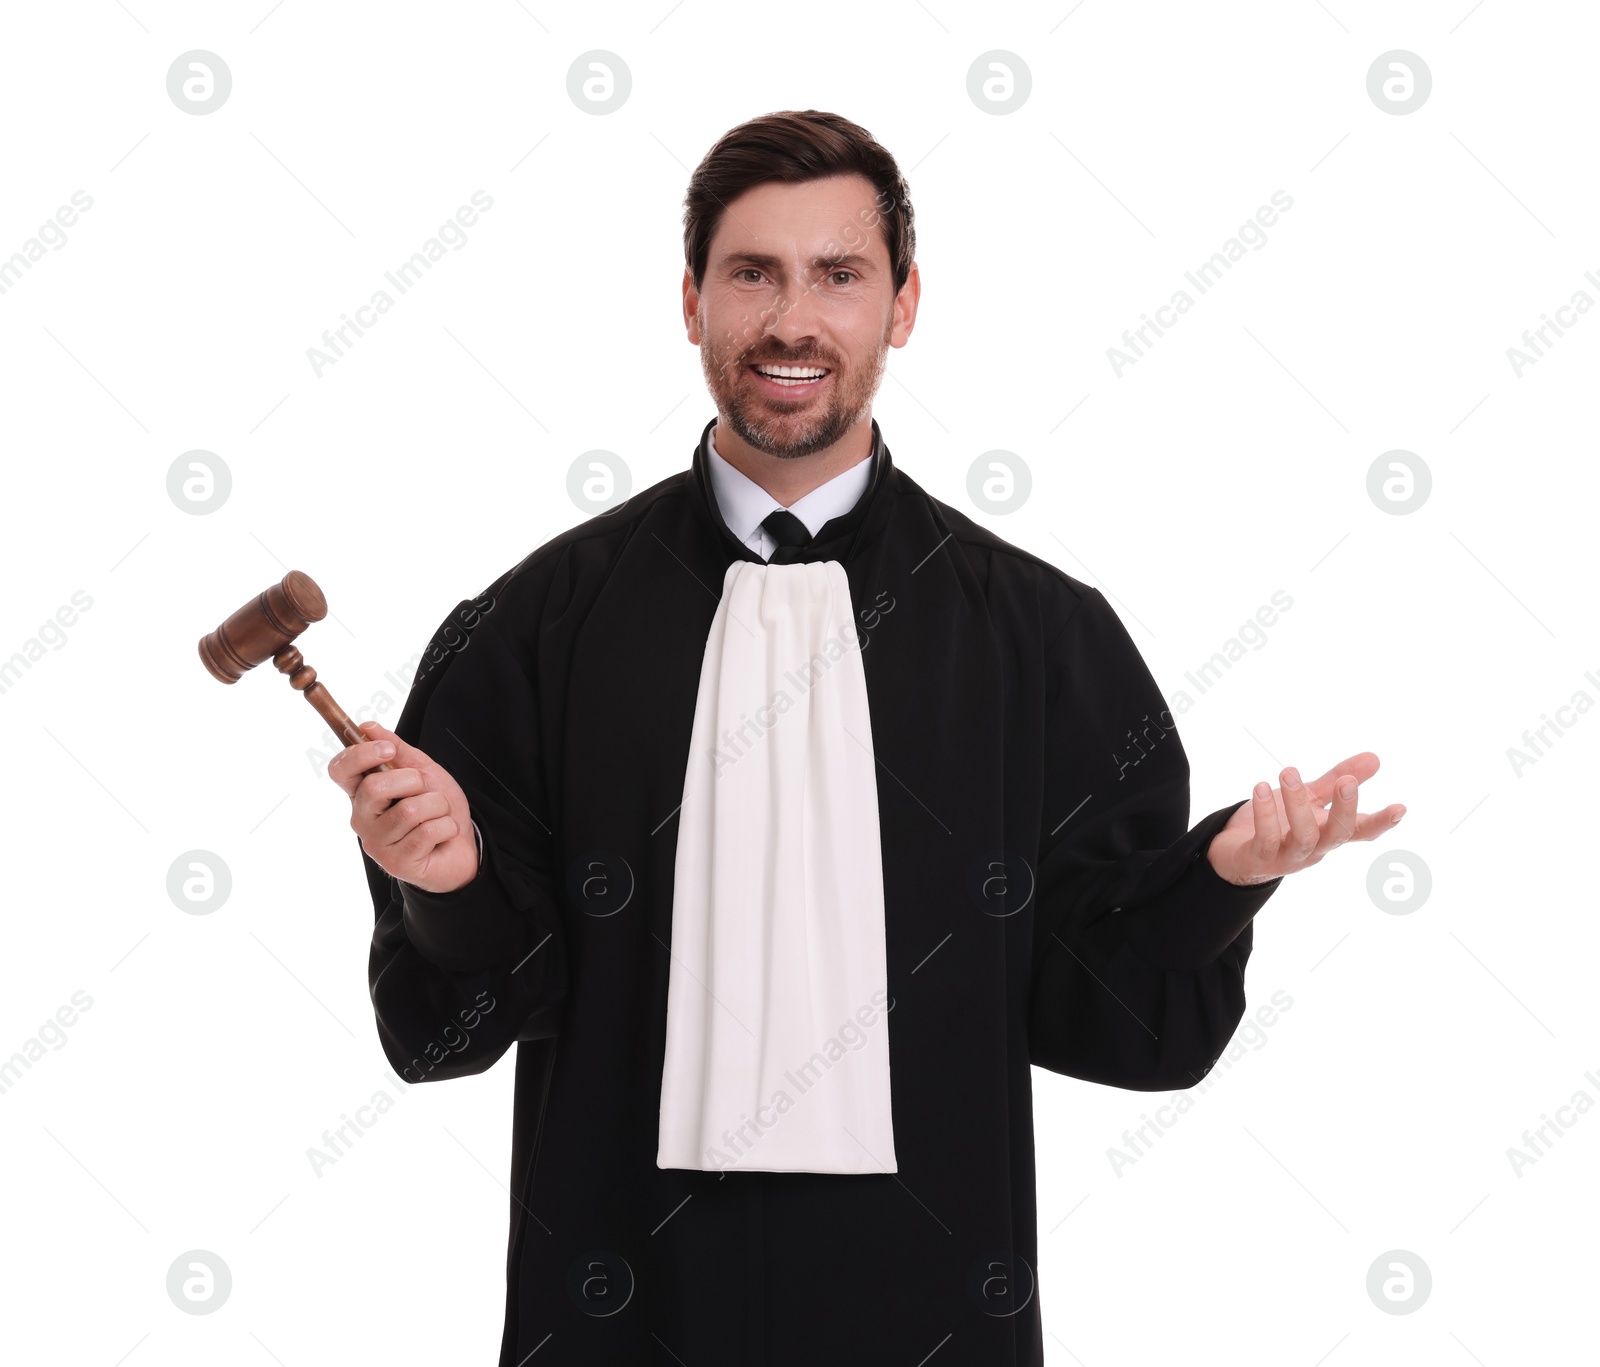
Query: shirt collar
[(744, 504)]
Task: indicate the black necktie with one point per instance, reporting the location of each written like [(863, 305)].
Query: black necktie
[(789, 532)]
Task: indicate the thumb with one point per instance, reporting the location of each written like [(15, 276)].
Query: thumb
[(406, 755)]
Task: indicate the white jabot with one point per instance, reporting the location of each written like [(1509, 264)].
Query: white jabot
[(777, 1052), (744, 504)]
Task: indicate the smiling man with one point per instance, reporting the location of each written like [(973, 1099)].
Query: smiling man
[(783, 819)]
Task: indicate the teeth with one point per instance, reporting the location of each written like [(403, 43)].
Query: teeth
[(792, 372)]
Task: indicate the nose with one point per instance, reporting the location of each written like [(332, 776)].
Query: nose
[(795, 315)]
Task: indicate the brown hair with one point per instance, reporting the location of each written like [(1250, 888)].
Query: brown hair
[(793, 146)]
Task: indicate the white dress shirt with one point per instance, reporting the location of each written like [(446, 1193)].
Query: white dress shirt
[(744, 504)]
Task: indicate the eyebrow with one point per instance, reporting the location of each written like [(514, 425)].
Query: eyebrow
[(830, 260)]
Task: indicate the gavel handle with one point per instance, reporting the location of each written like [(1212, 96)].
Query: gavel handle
[(337, 718), (304, 678)]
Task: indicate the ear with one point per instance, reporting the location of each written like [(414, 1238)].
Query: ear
[(905, 307), (691, 307)]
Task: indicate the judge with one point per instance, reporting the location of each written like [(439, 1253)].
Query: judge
[(782, 819)]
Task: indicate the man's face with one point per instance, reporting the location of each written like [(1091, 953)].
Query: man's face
[(798, 276)]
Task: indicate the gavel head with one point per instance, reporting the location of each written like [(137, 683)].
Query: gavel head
[(263, 627)]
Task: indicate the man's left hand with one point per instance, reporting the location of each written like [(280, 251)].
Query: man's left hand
[(1283, 830)]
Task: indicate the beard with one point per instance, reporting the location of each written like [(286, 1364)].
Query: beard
[(788, 429)]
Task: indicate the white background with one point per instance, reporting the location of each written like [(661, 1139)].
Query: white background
[(1229, 462)]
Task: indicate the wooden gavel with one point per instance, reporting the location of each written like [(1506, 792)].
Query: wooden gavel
[(265, 628)]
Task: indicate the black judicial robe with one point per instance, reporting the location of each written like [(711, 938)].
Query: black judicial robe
[(1045, 902)]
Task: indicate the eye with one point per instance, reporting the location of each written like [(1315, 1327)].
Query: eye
[(747, 270), (849, 275)]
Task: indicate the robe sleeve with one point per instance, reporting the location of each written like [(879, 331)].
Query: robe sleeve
[(1139, 946), (457, 977)]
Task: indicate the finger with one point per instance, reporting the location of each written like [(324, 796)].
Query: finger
[(406, 755), (420, 840), (1303, 828), (399, 821), (1269, 831), (347, 767), (1341, 823), (382, 787), (1370, 825), (1360, 767), (388, 784)]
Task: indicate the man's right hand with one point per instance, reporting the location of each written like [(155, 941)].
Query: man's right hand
[(414, 821)]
